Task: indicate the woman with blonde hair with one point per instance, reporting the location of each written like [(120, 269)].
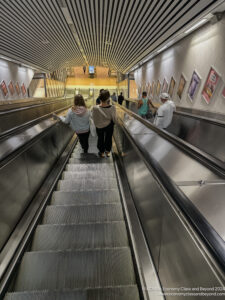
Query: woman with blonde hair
[(78, 118)]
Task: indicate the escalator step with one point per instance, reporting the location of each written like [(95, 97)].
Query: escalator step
[(86, 197), (88, 174), (116, 293), (75, 269), (95, 167), (86, 184), (95, 161), (74, 214), (88, 236)]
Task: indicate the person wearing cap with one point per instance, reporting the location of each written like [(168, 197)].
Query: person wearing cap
[(164, 114)]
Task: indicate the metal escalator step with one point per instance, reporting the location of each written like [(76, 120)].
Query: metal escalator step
[(86, 236), (95, 167), (87, 156), (96, 160), (87, 184), (116, 293), (88, 174), (85, 197), (74, 214), (75, 269)]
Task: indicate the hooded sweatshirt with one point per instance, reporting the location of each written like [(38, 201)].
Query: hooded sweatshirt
[(78, 119)]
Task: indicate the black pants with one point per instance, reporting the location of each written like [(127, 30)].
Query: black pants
[(105, 138), (83, 139)]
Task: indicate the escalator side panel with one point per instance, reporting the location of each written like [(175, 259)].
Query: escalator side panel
[(175, 252)]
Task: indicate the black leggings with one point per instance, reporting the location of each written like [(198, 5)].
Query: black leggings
[(105, 138), (83, 139)]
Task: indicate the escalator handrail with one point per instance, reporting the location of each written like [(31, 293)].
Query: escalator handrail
[(28, 105), (208, 234), (17, 149), (190, 115), (14, 130), (206, 159)]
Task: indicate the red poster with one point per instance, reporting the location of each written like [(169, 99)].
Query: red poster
[(17, 86), (4, 88), (210, 85), (23, 89), (11, 88)]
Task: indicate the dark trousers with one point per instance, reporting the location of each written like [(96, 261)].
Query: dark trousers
[(83, 139), (105, 138)]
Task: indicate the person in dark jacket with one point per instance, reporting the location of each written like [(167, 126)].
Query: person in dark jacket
[(98, 101), (120, 98)]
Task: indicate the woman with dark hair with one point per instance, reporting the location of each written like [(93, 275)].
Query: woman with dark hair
[(78, 118), (104, 117)]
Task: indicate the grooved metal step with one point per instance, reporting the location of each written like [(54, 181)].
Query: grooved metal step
[(95, 167), (87, 236), (116, 293), (95, 161), (75, 269), (88, 174), (73, 214), (85, 197), (86, 184)]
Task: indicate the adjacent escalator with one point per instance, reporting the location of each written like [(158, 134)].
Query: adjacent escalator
[(81, 248)]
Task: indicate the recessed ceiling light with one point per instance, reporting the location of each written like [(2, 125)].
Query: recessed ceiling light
[(196, 25)]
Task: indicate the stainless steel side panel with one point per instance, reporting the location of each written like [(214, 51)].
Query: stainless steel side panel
[(179, 256), (203, 134), (21, 177)]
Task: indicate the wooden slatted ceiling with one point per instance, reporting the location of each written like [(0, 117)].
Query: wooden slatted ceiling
[(113, 33)]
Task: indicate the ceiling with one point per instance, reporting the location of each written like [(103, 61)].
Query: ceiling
[(51, 34)]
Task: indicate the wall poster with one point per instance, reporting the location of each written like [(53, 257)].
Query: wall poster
[(171, 88), (164, 86), (153, 89), (195, 82), (181, 86), (4, 88), (11, 88), (149, 89), (210, 85), (17, 86), (23, 89), (158, 88), (223, 92)]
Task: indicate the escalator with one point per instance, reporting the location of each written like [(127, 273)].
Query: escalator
[(81, 248)]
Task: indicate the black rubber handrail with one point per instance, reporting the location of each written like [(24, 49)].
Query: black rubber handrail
[(193, 116), (214, 164), (12, 131), (208, 234)]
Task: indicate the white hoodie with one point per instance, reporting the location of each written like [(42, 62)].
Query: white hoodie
[(78, 118)]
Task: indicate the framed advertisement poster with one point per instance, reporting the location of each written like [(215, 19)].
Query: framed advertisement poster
[(171, 88), (194, 85), (158, 88), (17, 86), (4, 88), (11, 88), (153, 89), (23, 89), (149, 89), (223, 92), (210, 85), (181, 86), (164, 86)]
